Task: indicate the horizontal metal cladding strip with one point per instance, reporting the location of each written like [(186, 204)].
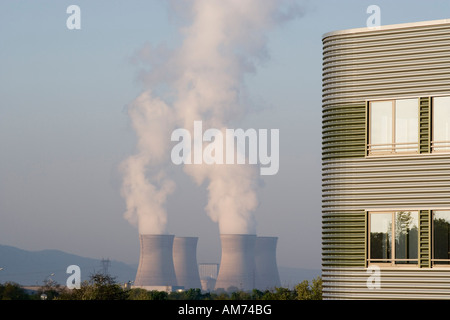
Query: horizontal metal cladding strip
[(352, 214), (336, 98), (395, 192), (343, 238), (388, 181), (331, 263), (342, 126), (352, 144), (346, 76), (395, 283), (350, 260), (343, 115), (437, 65), (343, 131), (369, 185), (342, 227), (399, 88), (338, 114), (389, 207), (350, 250), (371, 37), (385, 171), (392, 161), (389, 272), (343, 218), (352, 242), (352, 183), (332, 235), (331, 225), (329, 248), (347, 251), (350, 64), (388, 56), (334, 125), (363, 44), (346, 118), (387, 203), (370, 64), (407, 42), (364, 85), (378, 50)]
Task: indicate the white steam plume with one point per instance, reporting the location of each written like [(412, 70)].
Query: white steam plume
[(204, 80), (145, 186)]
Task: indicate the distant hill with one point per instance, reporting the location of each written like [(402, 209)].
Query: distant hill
[(30, 268), (34, 267)]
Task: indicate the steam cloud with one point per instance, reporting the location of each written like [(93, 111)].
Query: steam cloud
[(203, 80)]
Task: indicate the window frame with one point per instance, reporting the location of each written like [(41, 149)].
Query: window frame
[(392, 261), (393, 144), (433, 242), (432, 130)]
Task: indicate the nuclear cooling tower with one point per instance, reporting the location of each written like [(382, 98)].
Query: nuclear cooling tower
[(185, 262), (237, 265), (266, 269), (156, 267)]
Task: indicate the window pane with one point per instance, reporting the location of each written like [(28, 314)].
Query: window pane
[(380, 236), (406, 236), (441, 231), (441, 123), (407, 125), (381, 126)]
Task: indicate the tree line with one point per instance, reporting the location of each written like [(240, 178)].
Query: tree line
[(104, 287)]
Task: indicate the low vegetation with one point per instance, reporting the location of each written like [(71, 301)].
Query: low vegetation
[(104, 287)]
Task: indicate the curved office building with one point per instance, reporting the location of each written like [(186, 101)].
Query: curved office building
[(386, 162)]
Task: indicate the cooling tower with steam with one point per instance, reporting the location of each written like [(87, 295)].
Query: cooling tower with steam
[(156, 268), (237, 265), (266, 269), (185, 262)]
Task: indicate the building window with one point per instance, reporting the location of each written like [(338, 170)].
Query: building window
[(393, 238), (393, 127), (441, 238), (441, 124)]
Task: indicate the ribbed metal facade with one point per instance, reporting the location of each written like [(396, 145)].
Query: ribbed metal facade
[(351, 283), (361, 65)]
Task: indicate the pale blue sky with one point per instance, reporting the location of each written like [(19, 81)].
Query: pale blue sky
[(64, 128)]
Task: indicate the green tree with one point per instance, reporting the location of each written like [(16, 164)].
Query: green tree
[(13, 291), (316, 289), (256, 294), (99, 287), (240, 295), (142, 294), (279, 293), (305, 291), (193, 294), (51, 289), (138, 294)]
